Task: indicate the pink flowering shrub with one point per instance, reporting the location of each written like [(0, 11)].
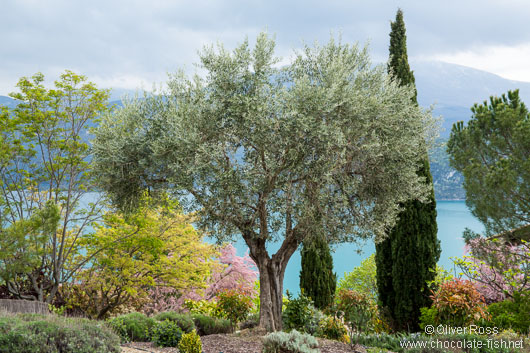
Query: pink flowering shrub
[(498, 269), (240, 273), (231, 272)]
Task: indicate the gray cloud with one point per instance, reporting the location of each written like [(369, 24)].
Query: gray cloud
[(124, 42)]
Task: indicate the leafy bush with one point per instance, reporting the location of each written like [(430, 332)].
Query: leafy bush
[(332, 328), (133, 327), (458, 303), (51, 334), (166, 334), (227, 271), (300, 314), (234, 304), (184, 321), (292, 342), (190, 343), (204, 307), (428, 317), (356, 309), (512, 314), (362, 279), (207, 325), (120, 328)]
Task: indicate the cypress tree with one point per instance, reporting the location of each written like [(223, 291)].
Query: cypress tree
[(317, 279), (405, 259)]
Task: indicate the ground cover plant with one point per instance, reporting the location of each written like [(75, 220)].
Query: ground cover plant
[(55, 334), (292, 342)]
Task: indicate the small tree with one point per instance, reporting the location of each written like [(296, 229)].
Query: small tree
[(156, 246), (270, 153), (498, 268), (317, 279), (228, 272), (234, 304), (363, 279), (44, 162)]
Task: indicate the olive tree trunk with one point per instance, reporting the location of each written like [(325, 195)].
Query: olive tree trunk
[(271, 273)]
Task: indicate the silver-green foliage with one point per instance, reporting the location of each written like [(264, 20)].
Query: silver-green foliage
[(269, 152), (292, 342), (33, 333), (327, 133)]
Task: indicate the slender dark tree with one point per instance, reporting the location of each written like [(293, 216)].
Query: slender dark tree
[(317, 279), (406, 259)]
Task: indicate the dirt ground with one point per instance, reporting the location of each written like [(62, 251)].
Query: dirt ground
[(245, 342)]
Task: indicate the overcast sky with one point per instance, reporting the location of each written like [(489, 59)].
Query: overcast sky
[(133, 44)]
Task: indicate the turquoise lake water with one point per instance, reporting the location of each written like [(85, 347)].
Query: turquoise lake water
[(453, 217)]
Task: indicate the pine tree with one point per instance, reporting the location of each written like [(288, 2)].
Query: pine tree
[(405, 260), (317, 279)]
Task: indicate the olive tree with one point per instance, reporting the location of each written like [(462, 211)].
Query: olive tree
[(267, 152)]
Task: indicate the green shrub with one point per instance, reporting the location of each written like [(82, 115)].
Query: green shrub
[(356, 308), (118, 326), (204, 307), (184, 321), (190, 343), (234, 305), (300, 314), (381, 340), (292, 342), (362, 279), (133, 327), (428, 317), (166, 334), (207, 325), (332, 328), (512, 313), (458, 303), (53, 334)]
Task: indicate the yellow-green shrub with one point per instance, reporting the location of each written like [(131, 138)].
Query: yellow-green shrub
[(190, 343), (332, 328)]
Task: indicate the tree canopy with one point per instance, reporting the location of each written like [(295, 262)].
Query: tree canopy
[(129, 256), (267, 152), (44, 165), (493, 154)]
